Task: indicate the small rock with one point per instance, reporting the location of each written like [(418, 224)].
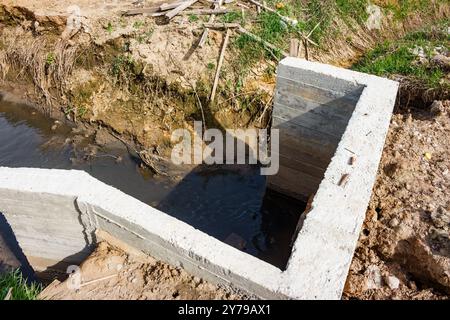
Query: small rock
[(374, 279), (437, 108), (441, 218), (394, 222), (392, 282)]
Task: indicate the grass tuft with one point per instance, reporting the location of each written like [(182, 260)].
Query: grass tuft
[(21, 290), (401, 57)]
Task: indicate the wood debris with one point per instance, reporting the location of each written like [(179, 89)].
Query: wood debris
[(219, 65), (184, 5)]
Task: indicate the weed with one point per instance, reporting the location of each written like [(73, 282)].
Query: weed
[(109, 28), (401, 57), (138, 24), (193, 18), (234, 16), (50, 59), (21, 289), (211, 66)]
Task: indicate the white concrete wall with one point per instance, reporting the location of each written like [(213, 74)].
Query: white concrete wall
[(322, 253), (311, 115)]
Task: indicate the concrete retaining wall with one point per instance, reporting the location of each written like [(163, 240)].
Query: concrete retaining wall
[(59, 210), (311, 113)]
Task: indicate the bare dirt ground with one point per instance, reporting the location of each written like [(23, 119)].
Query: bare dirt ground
[(404, 247), (110, 273)]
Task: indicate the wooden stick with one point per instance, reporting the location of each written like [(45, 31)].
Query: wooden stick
[(186, 4), (98, 280), (219, 66), (134, 12), (169, 6), (204, 36), (206, 11), (221, 25), (294, 47)]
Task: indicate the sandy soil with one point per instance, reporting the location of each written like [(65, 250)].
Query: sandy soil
[(404, 247), (110, 273)]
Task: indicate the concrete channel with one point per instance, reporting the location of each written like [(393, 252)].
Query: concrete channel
[(333, 123)]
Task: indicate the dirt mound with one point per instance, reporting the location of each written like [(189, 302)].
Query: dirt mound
[(404, 249), (110, 273)]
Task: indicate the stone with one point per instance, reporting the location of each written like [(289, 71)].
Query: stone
[(392, 282), (374, 279)]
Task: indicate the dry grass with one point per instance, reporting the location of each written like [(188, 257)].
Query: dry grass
[(48, 65)]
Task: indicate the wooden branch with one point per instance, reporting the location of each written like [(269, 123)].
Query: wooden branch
[(219, 66), (221, 25), (206, 11), (169, 6), (172, 13)]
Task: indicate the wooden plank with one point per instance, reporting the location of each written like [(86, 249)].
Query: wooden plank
[(186, 4), (169, 6), (133, 12)]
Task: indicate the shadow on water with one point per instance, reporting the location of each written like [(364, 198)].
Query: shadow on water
[(227, 202)]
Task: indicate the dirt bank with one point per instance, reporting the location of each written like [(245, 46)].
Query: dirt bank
[(143, 78)]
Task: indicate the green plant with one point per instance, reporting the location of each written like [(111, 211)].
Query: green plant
[(192, 18), (109, 28), (21, 289), (233, 16), (137, 24), (401, 57), (50, 59), (211, 66)]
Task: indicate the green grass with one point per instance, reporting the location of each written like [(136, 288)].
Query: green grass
[(193, 18), (398, 57), (21, 290), (231, 17)]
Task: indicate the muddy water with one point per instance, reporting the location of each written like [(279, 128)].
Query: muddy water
[(229, 203)]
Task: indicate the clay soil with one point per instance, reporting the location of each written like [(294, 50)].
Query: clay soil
[(406, 232), (110, 273)]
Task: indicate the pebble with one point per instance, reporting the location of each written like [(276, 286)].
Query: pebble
[(392, 282), (374, 279), (393, 223)]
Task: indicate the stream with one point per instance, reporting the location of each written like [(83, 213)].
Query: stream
[(229, 203)]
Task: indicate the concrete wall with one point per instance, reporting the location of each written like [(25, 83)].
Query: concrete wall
[(311, 112), (60, 209)]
